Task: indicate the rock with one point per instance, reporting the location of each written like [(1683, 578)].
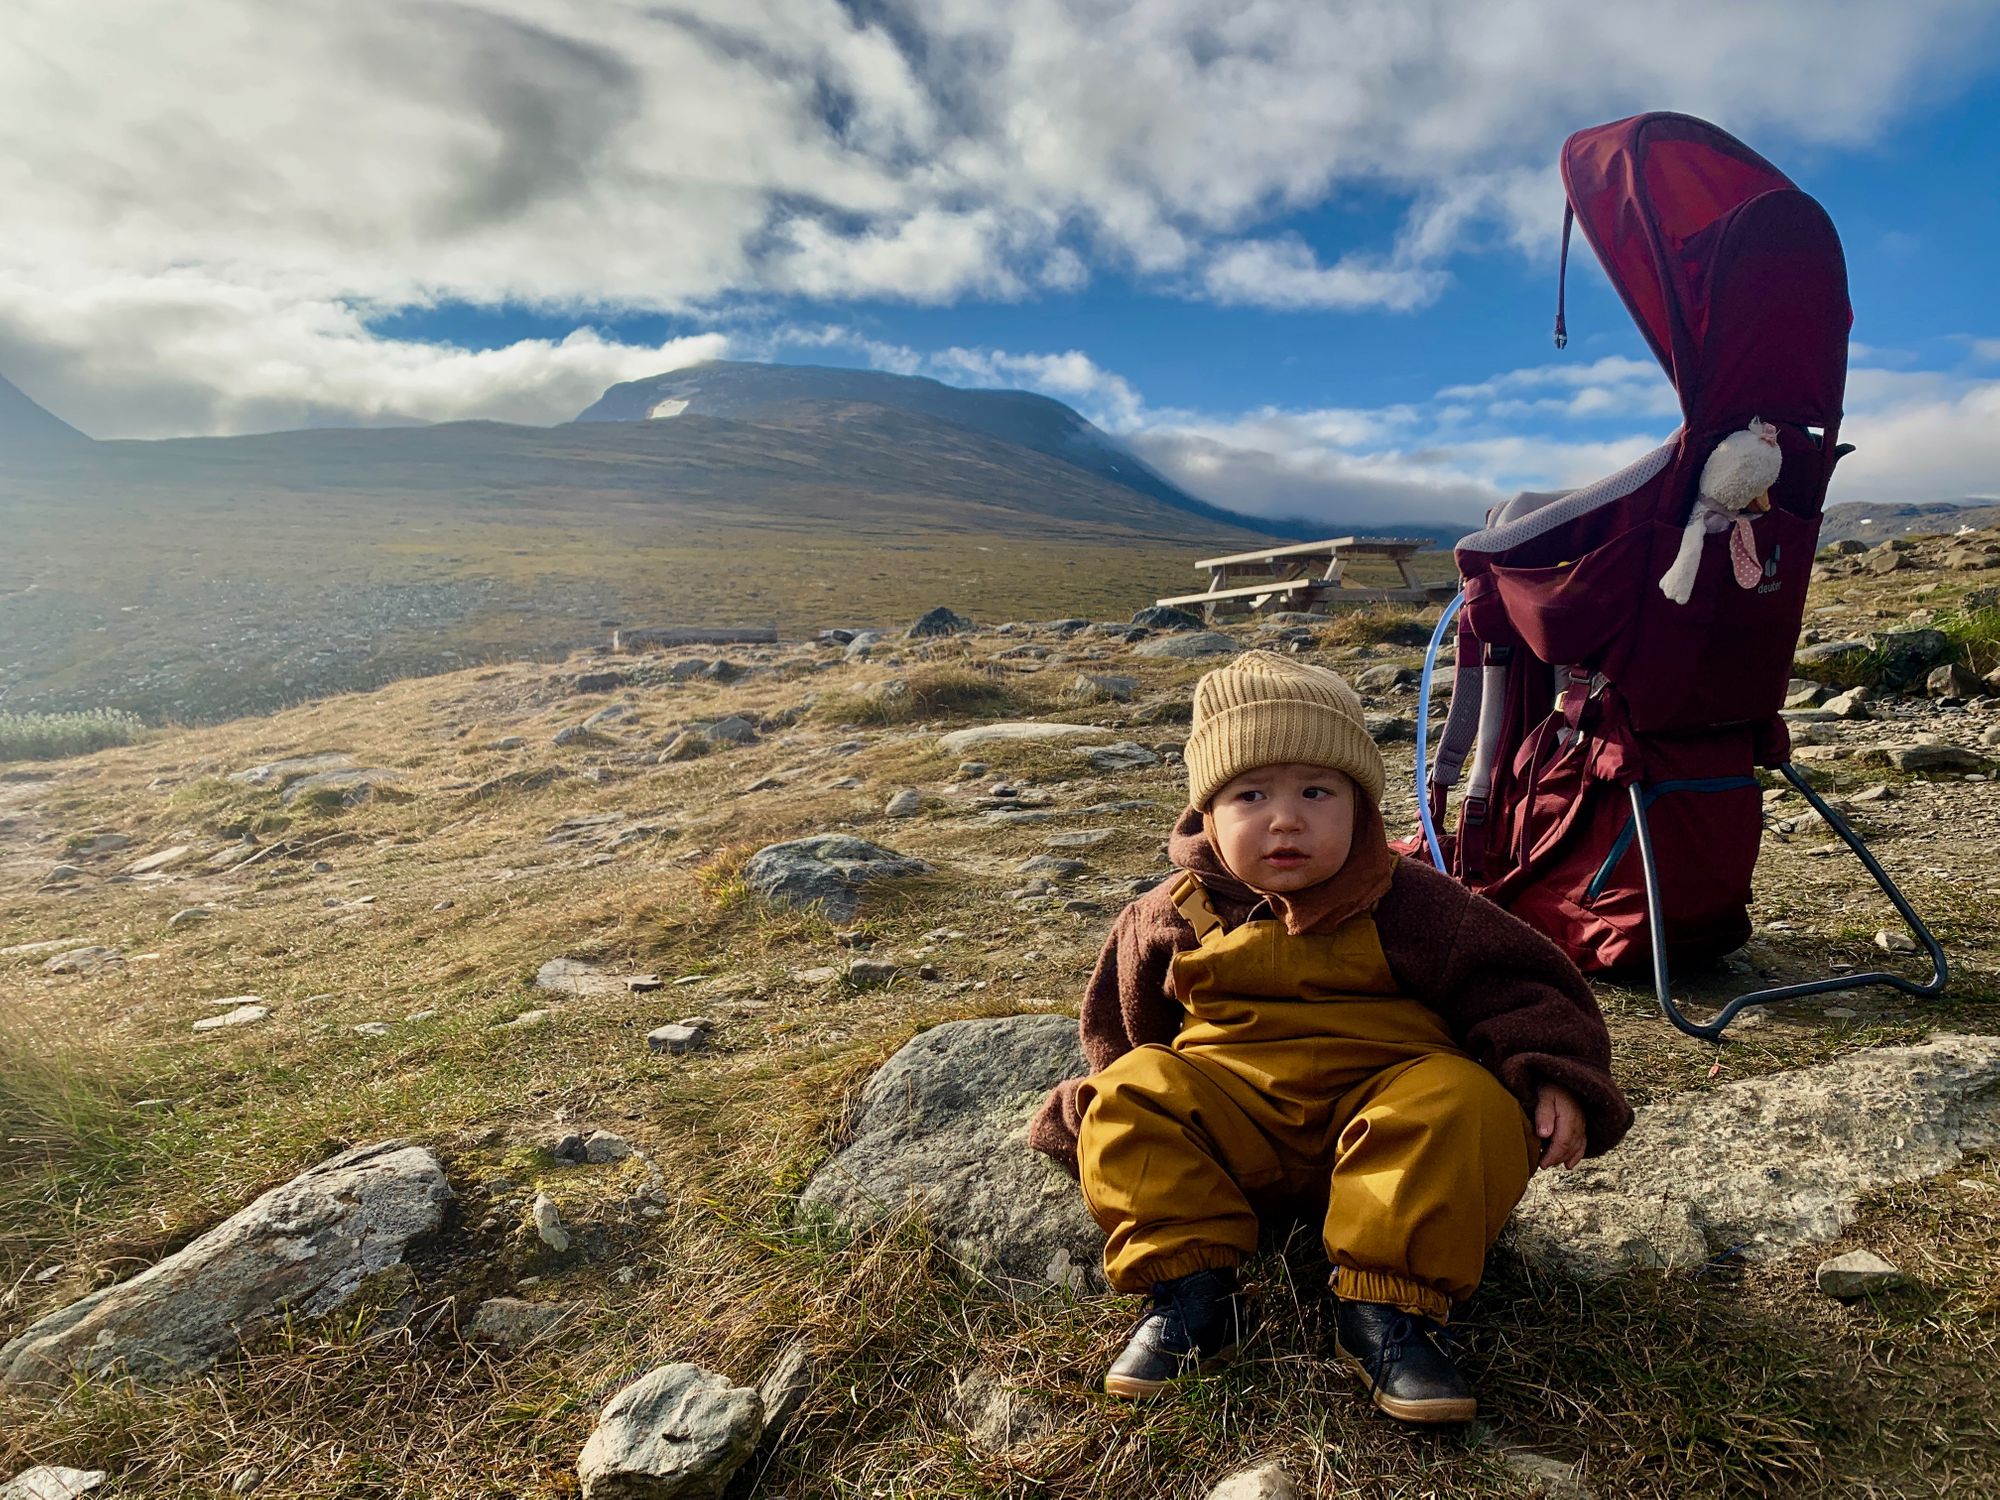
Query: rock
[(598, 682), (678, 1431), (616, 713), (1033, 732), (1856, 1274), (153, 863), (1907, 656), (722, 670), (571, 976), (548, 1223), (677, 1039), (1886, 562), (527, 1020), (1082, 838), (1126, 755), (787, 1384), (1166, 617), (871, 973), (370, 1028), (1951, 681), (305, 1247), (944, 1122), (820, 974), (1925, 756), (62, 873), (1852, 704), (85, 960), (829, 872), (1382, 679), (1832, 661), (1102, 687), (905, 804), (687, 669), (999, 1414), (348, 788), (1895, 940), (1265, 1482), (863, 645), (1198, 643), (734, 730), (187, 916), (51, 1482), (1803, 692), (689, 744), (514, 1323), (508, 742), (602, 1147), (1390, 729), (1543, 1475), (242, 1015), (1765, 1164), (939, 621), (278, 772), (1050, 866)]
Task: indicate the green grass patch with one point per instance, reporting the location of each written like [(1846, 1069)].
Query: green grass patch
[(1974, 630), (927, 693), (55, 736)]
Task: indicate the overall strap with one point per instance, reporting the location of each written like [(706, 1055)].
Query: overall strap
[(1192, 902)]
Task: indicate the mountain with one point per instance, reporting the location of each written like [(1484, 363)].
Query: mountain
[(196, 578), (26, 426), (1872, 521), (752, 392)]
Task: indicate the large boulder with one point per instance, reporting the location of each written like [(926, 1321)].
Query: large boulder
[(304, 1248), (678, 1431), (944, 1124), (828, 871), (1765, 1165), (1907, 656)]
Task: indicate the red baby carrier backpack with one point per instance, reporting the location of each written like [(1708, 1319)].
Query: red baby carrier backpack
[(1614, 734)]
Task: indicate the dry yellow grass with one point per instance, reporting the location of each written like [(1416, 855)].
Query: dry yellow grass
[(128, 1135)]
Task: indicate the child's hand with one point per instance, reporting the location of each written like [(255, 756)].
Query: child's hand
[(1559, 1122)]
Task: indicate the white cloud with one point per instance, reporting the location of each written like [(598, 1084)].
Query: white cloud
[(618, 154), (157, 356), (1919, 438), (1284, 273)]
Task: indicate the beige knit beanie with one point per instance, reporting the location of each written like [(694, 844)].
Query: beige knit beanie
[(1262, 710)]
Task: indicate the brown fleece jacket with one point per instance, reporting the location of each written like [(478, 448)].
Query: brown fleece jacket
[(1509, 996)]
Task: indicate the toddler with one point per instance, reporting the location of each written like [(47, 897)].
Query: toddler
[(1302, 1019)]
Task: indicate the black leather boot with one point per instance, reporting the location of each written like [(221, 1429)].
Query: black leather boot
[(1191, 1322), (1402, 1361)]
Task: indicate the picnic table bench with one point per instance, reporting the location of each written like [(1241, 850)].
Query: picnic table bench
[(1311, 577)]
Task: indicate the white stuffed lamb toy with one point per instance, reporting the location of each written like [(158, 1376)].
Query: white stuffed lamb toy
[(1735, 488)]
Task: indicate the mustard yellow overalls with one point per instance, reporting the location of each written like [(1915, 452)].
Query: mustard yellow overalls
[(1301, 1076)]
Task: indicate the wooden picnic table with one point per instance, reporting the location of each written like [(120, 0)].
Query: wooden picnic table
[(1310, 576)]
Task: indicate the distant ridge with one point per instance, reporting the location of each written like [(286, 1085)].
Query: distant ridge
[(744, 390), (1872, 520), (24, 425)]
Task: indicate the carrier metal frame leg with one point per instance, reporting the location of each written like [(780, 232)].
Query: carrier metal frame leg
[(1712, 1030)]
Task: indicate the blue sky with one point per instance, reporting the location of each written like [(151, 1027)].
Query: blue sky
[(1301, 256)]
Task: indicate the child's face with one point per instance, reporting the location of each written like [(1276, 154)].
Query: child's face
[(1283, 828)]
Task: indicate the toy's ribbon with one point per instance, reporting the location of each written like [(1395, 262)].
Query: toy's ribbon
[(1743, 554)]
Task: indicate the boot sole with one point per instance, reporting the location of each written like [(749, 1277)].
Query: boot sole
[(1440, 1412), (1132, 1388)]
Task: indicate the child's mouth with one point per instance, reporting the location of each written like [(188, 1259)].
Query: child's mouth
[(1285, 859)]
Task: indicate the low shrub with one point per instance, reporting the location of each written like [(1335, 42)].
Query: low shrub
[(54, 736)]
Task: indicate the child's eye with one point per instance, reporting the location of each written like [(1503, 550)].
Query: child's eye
[(1319, 791), (1248, 796)]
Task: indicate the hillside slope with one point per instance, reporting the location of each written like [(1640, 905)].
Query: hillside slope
[(27, 428), (203, 577)]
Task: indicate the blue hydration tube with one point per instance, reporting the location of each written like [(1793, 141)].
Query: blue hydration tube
[(1424, 728)]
